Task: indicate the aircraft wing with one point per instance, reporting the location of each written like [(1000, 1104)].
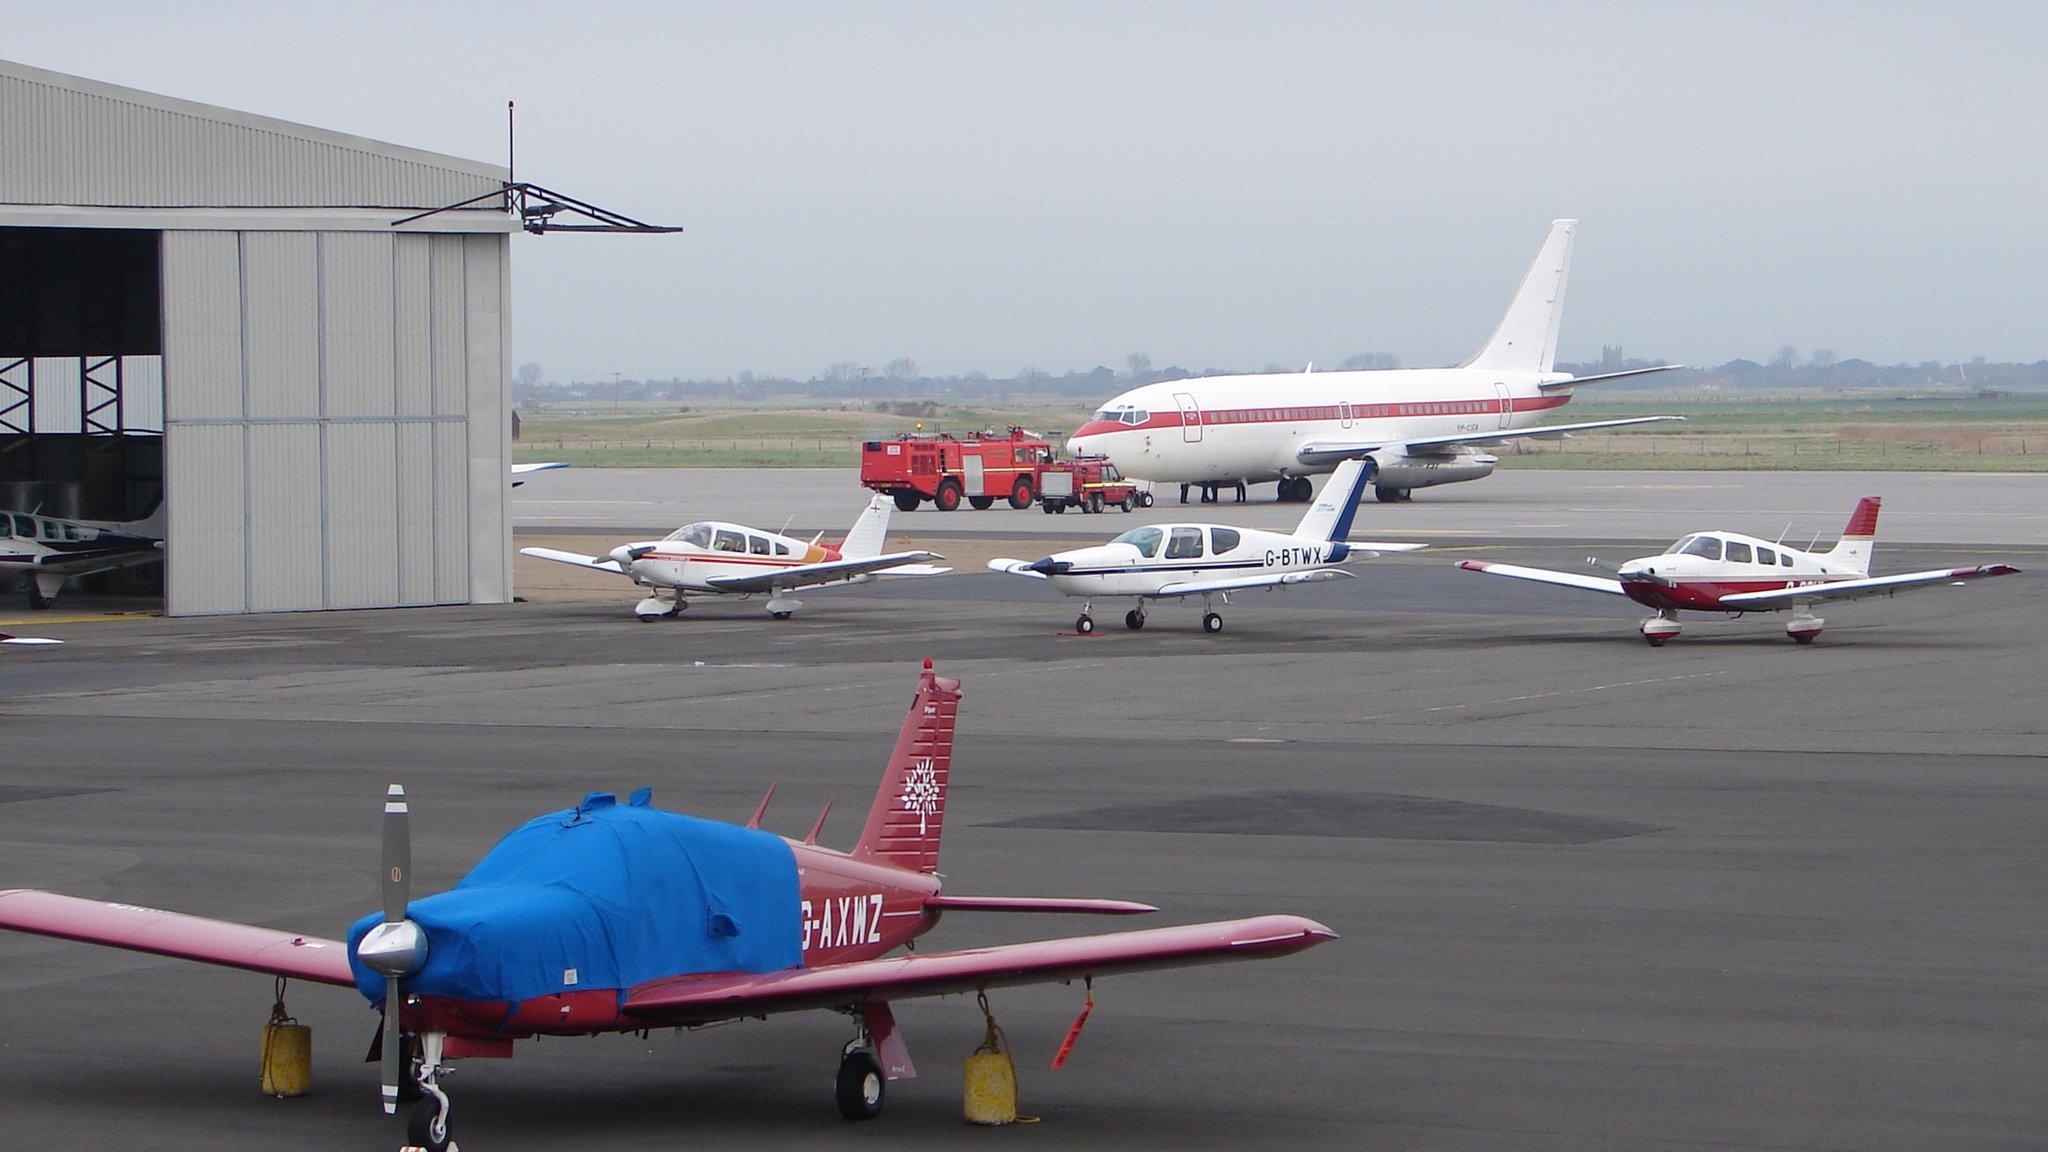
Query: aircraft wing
[(1009, 567), (524, 469), (1545, 576), (86, 561), (177, 935), (27, 641), (597, 563), (1857, 589), (1334, 451), (807, 575), (1233, 584), (696, 999)]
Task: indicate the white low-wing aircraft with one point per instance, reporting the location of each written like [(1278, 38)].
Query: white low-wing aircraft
[(1174, 561), (1733, 573), (529, 469), (1416, 427), (50, 550), (712, 557)]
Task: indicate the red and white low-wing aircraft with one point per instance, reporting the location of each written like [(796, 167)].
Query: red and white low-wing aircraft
[(713, 557), (1730, 572), (612, 917), (13, 641)]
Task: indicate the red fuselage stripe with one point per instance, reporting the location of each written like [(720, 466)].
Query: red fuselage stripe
[(1295, 414)]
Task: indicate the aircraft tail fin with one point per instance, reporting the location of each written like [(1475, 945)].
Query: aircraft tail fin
[(868, 533), (1526, 340), (1329, 518), (910, 808), (1859, 539), (155, 526)]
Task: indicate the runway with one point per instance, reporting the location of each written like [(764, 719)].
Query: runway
[(1920, 507), (1732, 892)]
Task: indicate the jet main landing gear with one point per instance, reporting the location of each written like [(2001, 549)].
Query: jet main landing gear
[(1135, 618)]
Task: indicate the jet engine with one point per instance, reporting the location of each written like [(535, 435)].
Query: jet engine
[(1402, 472)]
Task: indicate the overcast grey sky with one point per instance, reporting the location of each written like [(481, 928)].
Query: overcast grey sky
[(991, 186)]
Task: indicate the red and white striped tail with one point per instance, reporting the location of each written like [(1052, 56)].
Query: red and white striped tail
[(1858, 539), (909, 813)]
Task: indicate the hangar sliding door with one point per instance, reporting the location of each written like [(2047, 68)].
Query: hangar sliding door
[(335, 432)]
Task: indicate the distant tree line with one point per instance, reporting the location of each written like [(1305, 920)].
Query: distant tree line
[(900, 379)]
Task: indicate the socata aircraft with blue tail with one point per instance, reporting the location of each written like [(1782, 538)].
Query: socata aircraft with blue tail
[(1178, 561), (611, 917)]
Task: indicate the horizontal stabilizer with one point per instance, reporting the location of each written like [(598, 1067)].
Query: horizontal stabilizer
[(1559, 385), (1010, 567)]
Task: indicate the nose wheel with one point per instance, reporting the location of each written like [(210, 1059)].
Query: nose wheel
[(1084, 624), (426, 1126)]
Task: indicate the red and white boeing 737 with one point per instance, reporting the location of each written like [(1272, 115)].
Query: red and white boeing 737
[(1729, 572), (1415, 427)]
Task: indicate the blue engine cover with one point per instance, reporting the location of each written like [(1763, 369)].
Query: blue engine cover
[(604, 896)]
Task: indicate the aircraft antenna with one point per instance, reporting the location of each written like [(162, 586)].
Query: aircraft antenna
[(1781, 535), (511, 147)]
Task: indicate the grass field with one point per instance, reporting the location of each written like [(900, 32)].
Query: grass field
[(2003, 434)]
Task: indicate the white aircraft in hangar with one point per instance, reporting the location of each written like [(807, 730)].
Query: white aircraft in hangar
[(1732, 573), (50, 550), (519, 470), (713, 557), (1416, 428), (1176, 561)]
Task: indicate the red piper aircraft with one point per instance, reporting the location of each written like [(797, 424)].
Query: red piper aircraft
[(1733, 573), (612, 917)]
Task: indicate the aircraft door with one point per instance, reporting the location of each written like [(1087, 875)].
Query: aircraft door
[(1505, 402), (977, 481), (1344, 413), (1190, 418)]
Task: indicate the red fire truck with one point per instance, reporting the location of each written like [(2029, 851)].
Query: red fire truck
[(946, 469)]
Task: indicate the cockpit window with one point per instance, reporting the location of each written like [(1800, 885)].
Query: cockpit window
[(1109, 414), (1704, 546), (25, 526), (6, 528), (698, 534), (1145, 540)]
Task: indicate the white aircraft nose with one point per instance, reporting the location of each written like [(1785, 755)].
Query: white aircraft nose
[(1080, 445)]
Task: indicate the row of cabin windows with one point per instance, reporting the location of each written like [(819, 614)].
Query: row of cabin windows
[(1732, 551), (1259, 415), (727, 540), (33, 528), (1181, 543)]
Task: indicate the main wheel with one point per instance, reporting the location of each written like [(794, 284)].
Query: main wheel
[(426, 1127), (781, 615), (1134, 619), (1387, 495), (651, 617), (1095, 501), (1049, 509), (1211, 622), (36, 599), (1020, 496), (861, 1086), (1085, 624), (1805, 637), (947, 497), (1655, 641), (907, 501)]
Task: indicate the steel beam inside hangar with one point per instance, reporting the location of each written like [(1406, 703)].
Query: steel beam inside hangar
[(214, 308)]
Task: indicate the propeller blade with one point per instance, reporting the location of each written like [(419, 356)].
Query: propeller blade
[(393, 1047), (1603, 565), (396, 881)]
